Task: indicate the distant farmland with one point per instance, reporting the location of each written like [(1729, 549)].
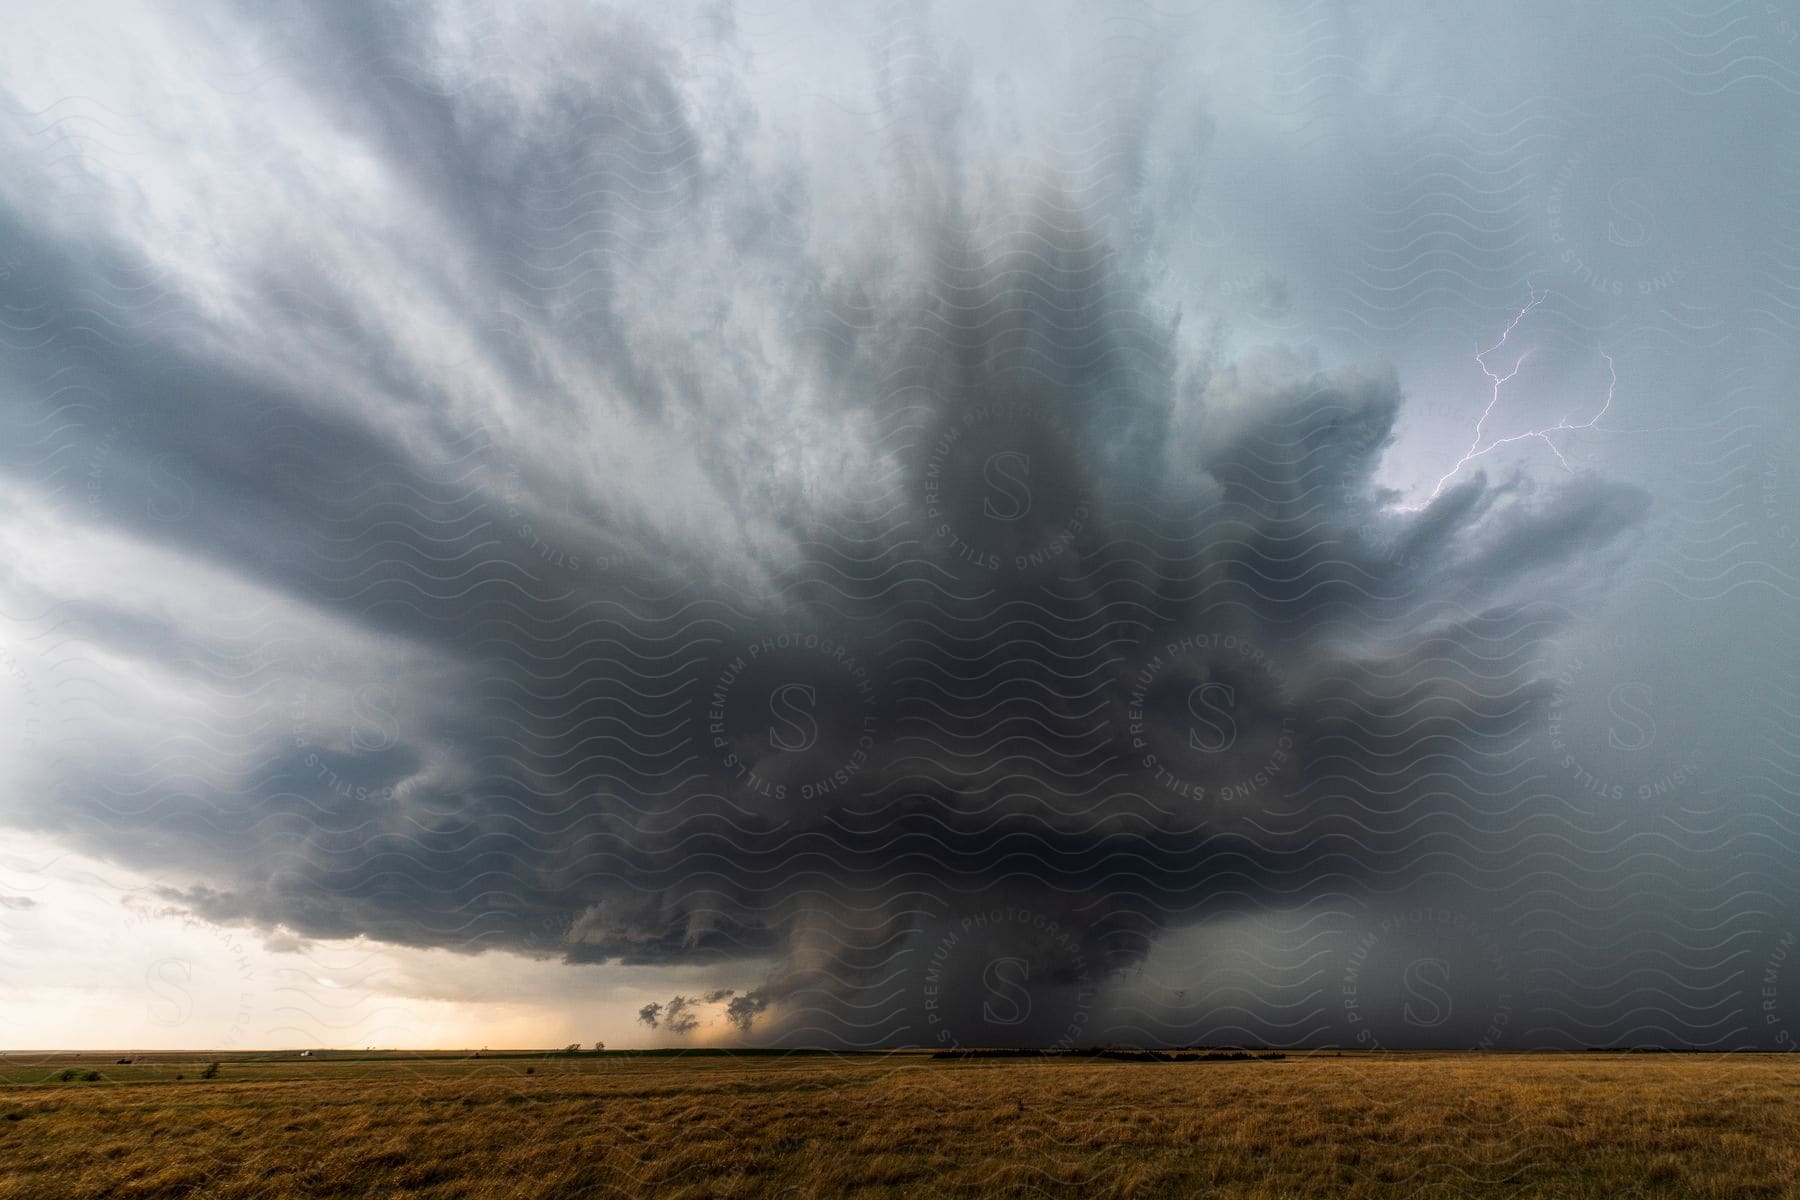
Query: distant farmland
[(529, 1124)]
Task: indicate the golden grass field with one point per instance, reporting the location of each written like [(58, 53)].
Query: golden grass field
[(1569, 1125)]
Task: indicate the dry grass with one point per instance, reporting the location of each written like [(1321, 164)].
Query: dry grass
[(1570, 1126)]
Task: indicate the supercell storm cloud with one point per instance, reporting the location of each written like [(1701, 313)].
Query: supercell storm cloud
[(885, 531)]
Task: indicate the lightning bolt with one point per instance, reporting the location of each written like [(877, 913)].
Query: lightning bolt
[(1476, 449)]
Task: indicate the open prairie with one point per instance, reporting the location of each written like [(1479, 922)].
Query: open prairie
[(901, 1124)]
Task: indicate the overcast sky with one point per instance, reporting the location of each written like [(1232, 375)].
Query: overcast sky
[(826, 525)]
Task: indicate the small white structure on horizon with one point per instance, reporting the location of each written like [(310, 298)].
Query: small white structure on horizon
[(306, 1054)]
